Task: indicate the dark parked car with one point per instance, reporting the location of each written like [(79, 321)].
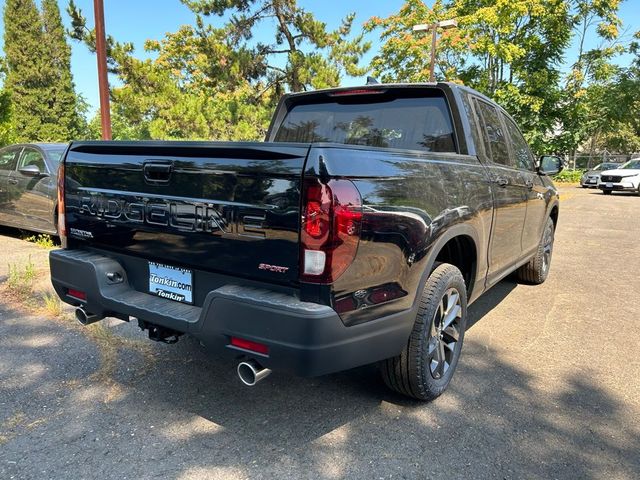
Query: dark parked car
[(28, 186), (357, 233)]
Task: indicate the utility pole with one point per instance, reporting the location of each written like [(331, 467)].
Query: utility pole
[(433, 27), (103, 80)]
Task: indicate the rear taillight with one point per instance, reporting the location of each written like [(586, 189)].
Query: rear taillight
[(62, 223), (331, 224)]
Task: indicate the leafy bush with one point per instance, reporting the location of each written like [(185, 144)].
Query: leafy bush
[(568, 176), (42, 240)]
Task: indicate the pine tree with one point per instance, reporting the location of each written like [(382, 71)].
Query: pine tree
[(63, 121), (28, 79)]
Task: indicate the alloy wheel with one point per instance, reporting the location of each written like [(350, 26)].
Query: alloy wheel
[(444, 333)]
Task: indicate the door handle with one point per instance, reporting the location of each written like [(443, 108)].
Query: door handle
[(157, 173), (501, 181)]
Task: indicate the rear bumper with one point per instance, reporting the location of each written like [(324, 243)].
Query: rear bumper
[(305, 338)]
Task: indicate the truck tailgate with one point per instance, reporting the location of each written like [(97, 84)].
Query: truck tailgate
[(222, 207)]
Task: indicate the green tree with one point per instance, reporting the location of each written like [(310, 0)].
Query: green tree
[(64, 120), (121, 128), (38, 74), (27, 79), (6, 129), (583, 114), (512, 51), (315, 56), (215, 82)]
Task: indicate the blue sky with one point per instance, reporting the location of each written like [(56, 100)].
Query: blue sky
[(137, 20)]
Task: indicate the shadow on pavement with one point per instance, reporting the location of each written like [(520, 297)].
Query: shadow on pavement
[(188, 416)]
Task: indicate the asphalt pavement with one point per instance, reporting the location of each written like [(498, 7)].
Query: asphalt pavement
[(548, 386)]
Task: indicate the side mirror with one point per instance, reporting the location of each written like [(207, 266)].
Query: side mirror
[(31, 171), (550, 165)]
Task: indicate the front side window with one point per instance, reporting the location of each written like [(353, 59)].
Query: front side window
[(375, 120), (524, 159), (32, 157), (495, 140)]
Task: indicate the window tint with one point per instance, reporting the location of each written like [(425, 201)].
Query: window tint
[(32, 157), (473, 121), (55, 155), (379, 120), (524, 159), (8, 159), (494, 137)]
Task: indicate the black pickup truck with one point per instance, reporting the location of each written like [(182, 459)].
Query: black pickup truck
[(359, 232)]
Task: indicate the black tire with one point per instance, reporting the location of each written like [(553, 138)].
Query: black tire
[(606, 192), (412, 373), (536, 270)]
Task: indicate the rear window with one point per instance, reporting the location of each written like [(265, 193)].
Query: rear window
[(378, 120)]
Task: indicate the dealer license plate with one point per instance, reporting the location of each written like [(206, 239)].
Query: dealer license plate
[(609, 185), (170, 282)]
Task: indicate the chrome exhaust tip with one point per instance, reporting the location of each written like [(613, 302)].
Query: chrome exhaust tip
[(251, 372), (86, 318)]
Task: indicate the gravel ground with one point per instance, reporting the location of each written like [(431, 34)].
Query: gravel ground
[(547, 387)]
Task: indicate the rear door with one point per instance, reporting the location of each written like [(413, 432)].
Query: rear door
[(8, 160), (534, 188), (33, 204), (509, 190), (230, 208)]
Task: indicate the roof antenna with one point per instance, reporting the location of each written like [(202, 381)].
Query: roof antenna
[(372, 81)]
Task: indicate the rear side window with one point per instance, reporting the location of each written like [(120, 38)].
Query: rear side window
[(495, 140), (524, 159), (8, 159), (473, 121), (378, 120)]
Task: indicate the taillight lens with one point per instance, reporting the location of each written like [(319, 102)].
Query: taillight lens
[(62, 223), (331, 225)]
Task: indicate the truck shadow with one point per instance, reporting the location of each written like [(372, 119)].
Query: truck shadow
[(190, 416)]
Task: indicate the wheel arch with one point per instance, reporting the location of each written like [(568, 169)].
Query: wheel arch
[(459, 246), (553, 213)]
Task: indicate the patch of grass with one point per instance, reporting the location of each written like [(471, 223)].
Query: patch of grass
[(20, 279), (42, 240), (52, 304)]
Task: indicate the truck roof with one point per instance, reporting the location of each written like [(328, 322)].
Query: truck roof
[(377, 86)]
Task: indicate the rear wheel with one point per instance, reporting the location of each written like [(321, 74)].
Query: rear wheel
[(537, 270), (426, 365)]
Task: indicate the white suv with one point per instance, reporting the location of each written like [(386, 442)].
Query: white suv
[(625, 178)]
